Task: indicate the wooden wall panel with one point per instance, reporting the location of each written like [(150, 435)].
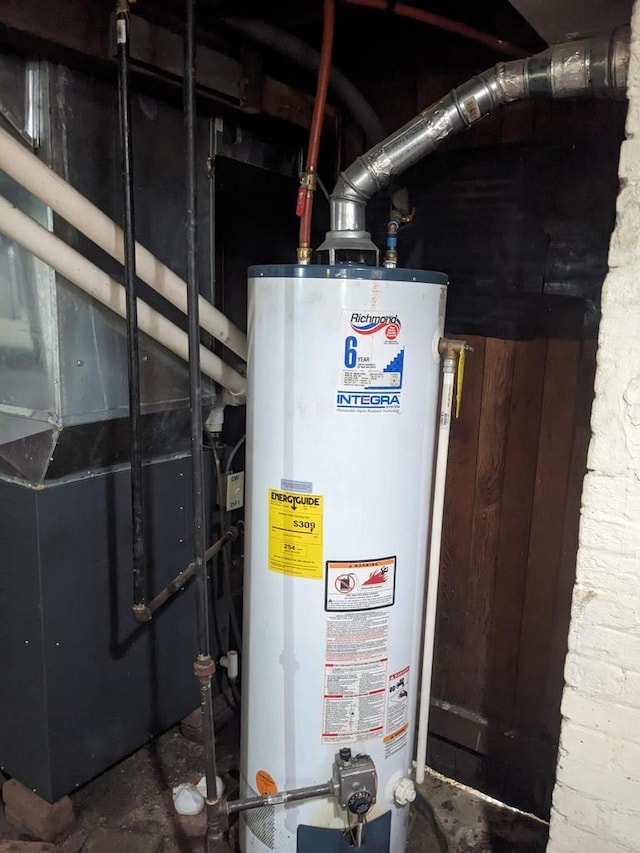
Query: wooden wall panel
[(515, 525), (547, 523), (485, 524), (512, 506), (567, 564)]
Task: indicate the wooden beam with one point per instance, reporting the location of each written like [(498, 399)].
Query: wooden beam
[(80, 34), (73, 27)]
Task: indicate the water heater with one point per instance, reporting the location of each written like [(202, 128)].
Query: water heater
[(343, 395)]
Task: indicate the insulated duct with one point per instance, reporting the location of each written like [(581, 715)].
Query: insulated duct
[(594, 67), (296, 50)]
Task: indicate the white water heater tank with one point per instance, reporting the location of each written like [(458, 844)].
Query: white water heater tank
[(343, 399)]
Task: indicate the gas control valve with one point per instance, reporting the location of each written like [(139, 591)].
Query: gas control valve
[(355, 782)]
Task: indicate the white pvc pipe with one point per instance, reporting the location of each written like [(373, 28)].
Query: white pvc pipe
[(446, 404), (54, 191), (77, 269)]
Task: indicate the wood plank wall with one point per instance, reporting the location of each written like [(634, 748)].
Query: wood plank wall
[(516, 466)]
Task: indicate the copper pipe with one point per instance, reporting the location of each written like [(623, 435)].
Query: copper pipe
[(442, 23), (308, 178)]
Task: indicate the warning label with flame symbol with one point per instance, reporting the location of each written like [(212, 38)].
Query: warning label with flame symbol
[(360, 584)]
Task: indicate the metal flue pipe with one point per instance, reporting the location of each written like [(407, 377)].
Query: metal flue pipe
[(204, 666), (133, 355), (594, 67)]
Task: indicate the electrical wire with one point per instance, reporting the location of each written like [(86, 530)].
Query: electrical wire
[(232, 705), (226, 568), (236, 447), (325, 191), (348, 833)]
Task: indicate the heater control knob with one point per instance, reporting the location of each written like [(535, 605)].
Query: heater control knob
[(360, 802)]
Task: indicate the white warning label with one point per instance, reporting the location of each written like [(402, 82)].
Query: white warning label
[(360, 584), (371, 379), (372, 362), (354, 699), (355, 685), (354, 637), (397, 724)]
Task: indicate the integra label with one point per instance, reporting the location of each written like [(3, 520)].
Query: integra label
[(297, 500), (367, 401), (372, 362)]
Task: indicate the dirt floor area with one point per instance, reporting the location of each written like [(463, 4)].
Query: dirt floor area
[(129, 808)]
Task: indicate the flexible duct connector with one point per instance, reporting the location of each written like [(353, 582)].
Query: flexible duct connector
[(288, 45), (594, 67)]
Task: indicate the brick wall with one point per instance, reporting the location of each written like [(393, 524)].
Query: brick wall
[(596, 802)]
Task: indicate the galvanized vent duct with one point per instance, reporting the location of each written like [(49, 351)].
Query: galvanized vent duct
[(594, 67)]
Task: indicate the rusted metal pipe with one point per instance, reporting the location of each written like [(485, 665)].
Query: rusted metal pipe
[(133, 355), (204, 667), (145, 613), (279, 798)]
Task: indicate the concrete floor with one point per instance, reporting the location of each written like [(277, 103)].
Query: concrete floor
[(135, 797), (468, 823)]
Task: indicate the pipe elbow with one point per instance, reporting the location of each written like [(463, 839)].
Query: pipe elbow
[(356, 184), (349, 198)]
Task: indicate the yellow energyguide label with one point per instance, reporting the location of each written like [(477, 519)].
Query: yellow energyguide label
[(295, 534)]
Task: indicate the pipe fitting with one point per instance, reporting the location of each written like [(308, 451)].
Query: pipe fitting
[(308, 180), (404, 792), (230, 663), (452, 348), (141, 613), (204, 668)]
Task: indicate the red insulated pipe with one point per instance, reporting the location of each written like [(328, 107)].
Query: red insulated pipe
[(307, 185), (442, 23)]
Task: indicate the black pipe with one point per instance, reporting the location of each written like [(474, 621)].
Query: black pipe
[(185, 575), (193, 317), (133, 358), (204, 666)]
